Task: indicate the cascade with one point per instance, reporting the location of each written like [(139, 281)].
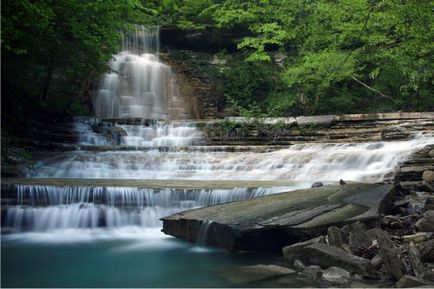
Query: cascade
[(138, 84)]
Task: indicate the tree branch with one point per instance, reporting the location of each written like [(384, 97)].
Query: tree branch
[(372, 89)]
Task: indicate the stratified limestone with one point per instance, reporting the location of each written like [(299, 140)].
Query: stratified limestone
[(273, 221)]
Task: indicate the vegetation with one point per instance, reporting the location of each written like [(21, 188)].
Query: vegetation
[(340, 56), (51, 50), (299, 57)]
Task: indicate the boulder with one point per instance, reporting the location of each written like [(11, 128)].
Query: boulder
[(248, 274), (428, 176), (426, 251), (426, 223), (409, 281), (328, 256), (415, 262), (335, 237), (389, 255), (273, 221), (317, 185), (313, 272), (294, 252), (298, 265), (336, 275)]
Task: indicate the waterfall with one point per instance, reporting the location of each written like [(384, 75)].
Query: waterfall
[(138, 84), (42, 208), (366, 162)]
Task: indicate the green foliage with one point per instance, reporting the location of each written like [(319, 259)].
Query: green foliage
[(51, 48), (343, 56)]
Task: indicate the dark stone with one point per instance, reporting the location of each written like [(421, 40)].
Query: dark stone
[(329, 256), (273, 221), (410, 281), (317, 185), (314, 272), (426, 251), (336, 275), (390, 256), (426, 223), (298, 265), (415, 262), (335, 237), (294, 252)]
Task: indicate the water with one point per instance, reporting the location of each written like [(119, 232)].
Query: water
[(93, 236), (366, 162), (138, 84)]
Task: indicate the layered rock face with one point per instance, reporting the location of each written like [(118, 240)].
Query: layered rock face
[(270, 222)]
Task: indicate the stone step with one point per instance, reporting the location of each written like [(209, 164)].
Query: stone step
[(154, 183), (274, 221)]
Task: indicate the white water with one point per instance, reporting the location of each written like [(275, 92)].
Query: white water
[(138, 84), (160, 135), (367, 162), (63, 208), (141, 86)]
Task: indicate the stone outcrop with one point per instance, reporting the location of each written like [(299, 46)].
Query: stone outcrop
[(322, 128), (273, 221)]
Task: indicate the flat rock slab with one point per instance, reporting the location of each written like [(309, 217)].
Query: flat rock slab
[(274, 221)]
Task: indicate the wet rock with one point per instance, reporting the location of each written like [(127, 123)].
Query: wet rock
[(426, 223), (298, 265), (417, 238), (426, 251), (255, 273), (376, 261), (390, 256), (357, 236), (392, 222), (395, 133), (317, 185), (415, 262), (328, 256), (335, 237), (410, 281), (336, 275), (428, 176), (294, 252), (314, 272), (273, 221)]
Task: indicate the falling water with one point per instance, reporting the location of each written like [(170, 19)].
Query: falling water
[(138, 84), (366, 162)]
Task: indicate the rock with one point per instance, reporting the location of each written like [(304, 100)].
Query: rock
[(335, 237), (357, 236), (428, 176), (395, 133), (417, 238), (313, 271), (299, 265), (410, 281), (315, 119), (342, 182), (328, 256), (273, 221), (390, 256), (392, 222), (416, 264), (255, 273), (317, 185), (376, 261), (294, 252), (336, 275), (426, 223), (426, 251)]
